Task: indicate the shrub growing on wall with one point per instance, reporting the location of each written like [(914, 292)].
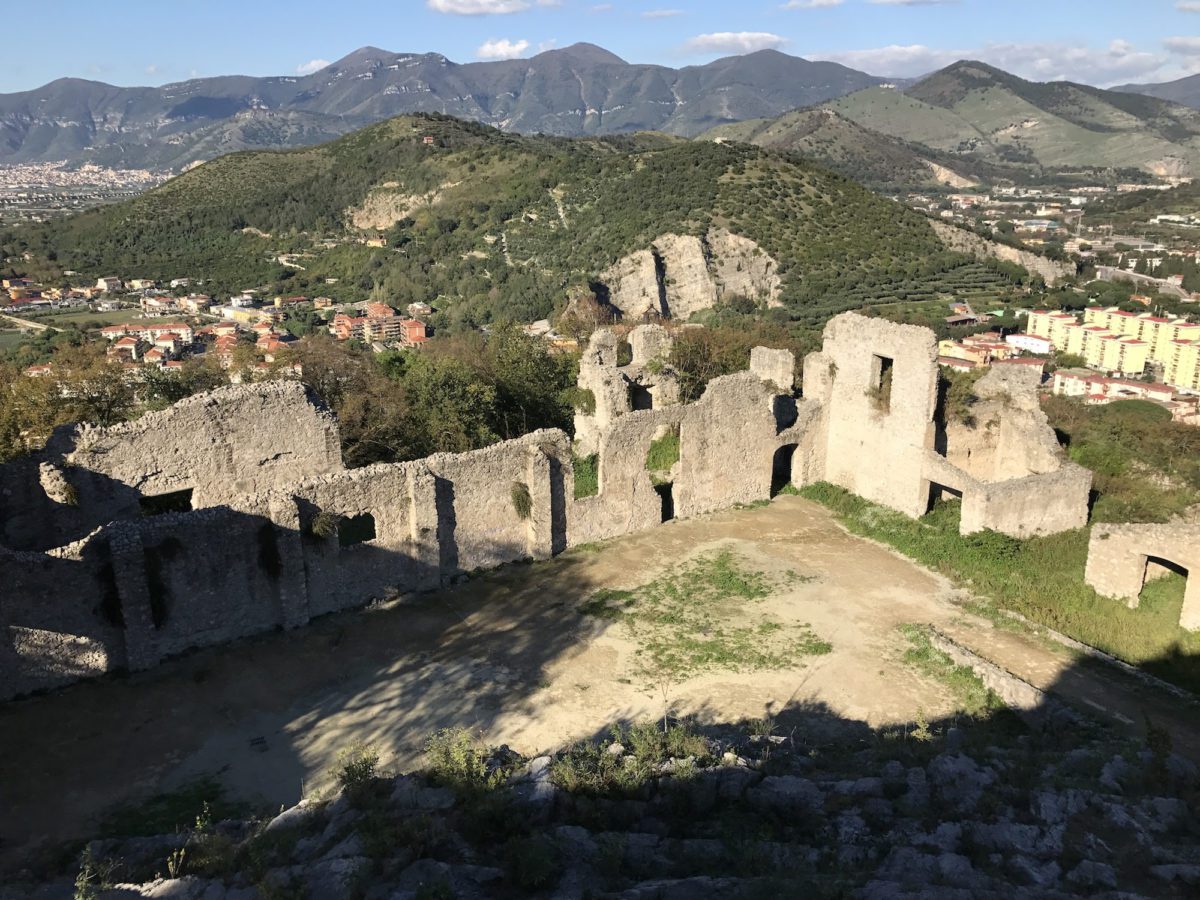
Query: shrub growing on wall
[(663, 453), (521, 500), (587, 476)]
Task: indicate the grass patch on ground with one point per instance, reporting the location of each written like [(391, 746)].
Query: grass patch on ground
[(1041, 578), (168, 812), (973, 697), (89, 318), (699, 617)]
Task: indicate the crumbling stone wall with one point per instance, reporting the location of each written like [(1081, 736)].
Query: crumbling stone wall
[(885, 442), (61, 617), (137, 589), (879, 424), (614, 387), (224, 446), (1120, 555)]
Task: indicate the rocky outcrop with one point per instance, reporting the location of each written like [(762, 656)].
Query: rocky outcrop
[(634, 286), (743, 268), (967, 242), (683, 274), (387, 204), (1063, 811), (688, 285)]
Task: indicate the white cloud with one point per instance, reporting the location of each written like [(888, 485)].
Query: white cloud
[(811, 4), (662, 13), (501, 49), (152, 69), (477, 7), (1188, 6), (1120, 62), (313, 65), (1184, 46), (734, 42), (485, 7), (602, 8)]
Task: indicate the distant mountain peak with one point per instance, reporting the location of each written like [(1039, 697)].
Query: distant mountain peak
[(589, 53)]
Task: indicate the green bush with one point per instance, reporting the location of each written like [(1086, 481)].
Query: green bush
[(663, 453), (324, 524), (521, 500), (587, 476), (457, 760), (532, 863), (356, 769)]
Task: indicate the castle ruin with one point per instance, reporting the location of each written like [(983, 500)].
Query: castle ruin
[(231, 513)]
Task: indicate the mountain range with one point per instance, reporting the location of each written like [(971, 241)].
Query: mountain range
[(577, 90), (491, 226), (1182, 90), (968, 122)]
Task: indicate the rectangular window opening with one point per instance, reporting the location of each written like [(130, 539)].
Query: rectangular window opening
[(159, 504), (880, 392), (355, 530)]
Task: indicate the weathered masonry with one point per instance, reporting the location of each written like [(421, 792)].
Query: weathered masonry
[(231, 513), (1122, 558)]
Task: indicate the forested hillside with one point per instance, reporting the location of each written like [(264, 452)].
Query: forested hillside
[(490, 226)]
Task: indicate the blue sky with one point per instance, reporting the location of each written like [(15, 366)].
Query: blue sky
[(156, 41)]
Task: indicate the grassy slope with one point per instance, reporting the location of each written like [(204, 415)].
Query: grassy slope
[(495, 191), (837, 142), (893, 113), (1040, 578), (1069, 125)]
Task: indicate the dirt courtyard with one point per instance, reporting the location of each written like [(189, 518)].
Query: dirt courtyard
[(507, 655)]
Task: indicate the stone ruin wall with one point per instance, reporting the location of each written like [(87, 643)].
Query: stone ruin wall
[(964, 241), (225, 446), (876, 448), (133, 590), (1121, 559)]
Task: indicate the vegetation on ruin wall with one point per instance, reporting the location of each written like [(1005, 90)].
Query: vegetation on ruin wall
[(587, 476), (1147, 467), (663, 454), (1040, 578), (505, 225)]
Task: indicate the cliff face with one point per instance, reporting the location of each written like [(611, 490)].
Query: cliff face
[(966, 242), (683, 274)]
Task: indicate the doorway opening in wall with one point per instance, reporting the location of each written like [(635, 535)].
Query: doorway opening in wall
[(940, 493), (159, 504), (666, 494), (880, 391), (781, 468), (1164, 582), (355, 530), (640, 397)]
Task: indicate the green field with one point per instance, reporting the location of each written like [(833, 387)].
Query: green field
[(87, 318), (10, 339)]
